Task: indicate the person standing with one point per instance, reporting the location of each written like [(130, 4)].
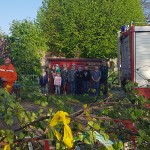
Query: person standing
[(51, 78), (53, 71), (96, 75), (78, 80), (86, 79), (8, 74), (71, 78), (57, 68), (64, 76), (57, 83), (104, 77), (44, 81)]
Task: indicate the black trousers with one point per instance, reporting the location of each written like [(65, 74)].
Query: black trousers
[(104, 82), (78, 89)]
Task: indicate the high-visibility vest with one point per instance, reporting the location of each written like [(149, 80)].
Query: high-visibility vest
[(9, 73)]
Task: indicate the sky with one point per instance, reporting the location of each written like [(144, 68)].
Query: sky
[(17, 10)]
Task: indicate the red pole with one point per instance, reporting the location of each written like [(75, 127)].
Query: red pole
[(46, 142)]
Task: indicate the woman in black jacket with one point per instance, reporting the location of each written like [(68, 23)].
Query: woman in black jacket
[(86, 79), (78, 80)]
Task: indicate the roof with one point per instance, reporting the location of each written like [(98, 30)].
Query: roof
[(75, 59)]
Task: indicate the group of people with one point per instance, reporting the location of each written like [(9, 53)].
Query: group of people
[(80, 79)]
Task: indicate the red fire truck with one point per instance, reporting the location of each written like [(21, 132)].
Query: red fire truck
[(134, 56)]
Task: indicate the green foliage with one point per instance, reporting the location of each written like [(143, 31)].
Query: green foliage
[(101, 119), (30, 88), (27, 46), (11, 111), (85, 28)]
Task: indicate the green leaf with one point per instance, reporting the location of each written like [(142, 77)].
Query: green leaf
[(87, 141), (33, 116), (133, 116), (38, 102), (139, 139), (120, 145), (136, 85), (41, 110), (9, 111), (105, 111), (106, 136), (142, 133), (44, 104), (147, 138), (10, 140), (139, 112), (10, 121), (109, 148), (80, 137), (50, 135), (21, 135), (91, 123), (50, 110), (96, 126)]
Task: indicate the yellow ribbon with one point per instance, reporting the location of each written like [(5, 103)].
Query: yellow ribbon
[(7, 147), (62, 116)]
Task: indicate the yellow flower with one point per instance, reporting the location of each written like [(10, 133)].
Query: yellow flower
[(62, 116)]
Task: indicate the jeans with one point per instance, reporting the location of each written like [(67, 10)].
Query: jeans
[(97, 87), (64, 85), (57, 89), (86, 86), (44, 89), (72, 87)]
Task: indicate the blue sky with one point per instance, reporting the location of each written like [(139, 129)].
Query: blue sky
[(17, 10)]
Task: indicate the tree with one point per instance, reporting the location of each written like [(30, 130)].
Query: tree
[(26, 46), (3, 46), (85, 28), (146, 6)]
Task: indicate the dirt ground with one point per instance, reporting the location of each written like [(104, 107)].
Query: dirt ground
[(29, 106)]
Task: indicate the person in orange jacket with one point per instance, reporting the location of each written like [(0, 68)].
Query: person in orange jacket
[(8, 74)]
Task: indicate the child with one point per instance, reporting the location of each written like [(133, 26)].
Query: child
[(64, 75), (44, 81), (57, 68), (57, 83)]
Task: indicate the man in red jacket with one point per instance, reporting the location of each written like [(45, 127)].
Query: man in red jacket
[(8, 74)]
